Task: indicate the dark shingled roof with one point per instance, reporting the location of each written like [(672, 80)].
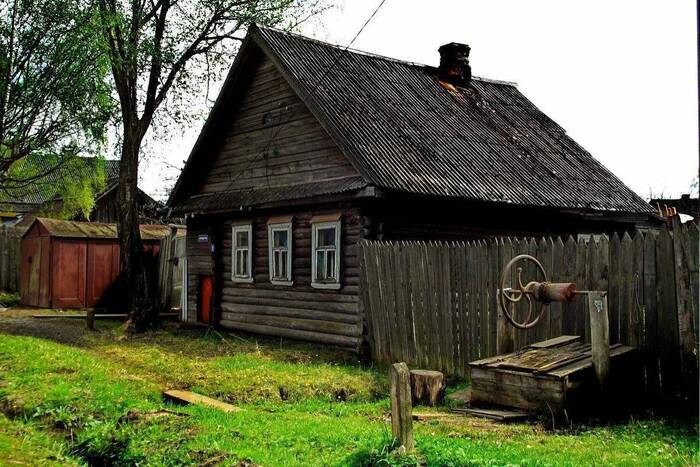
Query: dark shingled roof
[(405, 130)]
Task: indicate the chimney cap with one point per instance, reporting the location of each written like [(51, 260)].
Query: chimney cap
[(454, 64), (457, 46)]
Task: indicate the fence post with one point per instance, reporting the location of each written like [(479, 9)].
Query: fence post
[(401, 417)]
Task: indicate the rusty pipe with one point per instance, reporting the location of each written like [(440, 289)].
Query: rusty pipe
[(548, 292)]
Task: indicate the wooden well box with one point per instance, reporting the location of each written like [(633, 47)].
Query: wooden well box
[(554, 376)]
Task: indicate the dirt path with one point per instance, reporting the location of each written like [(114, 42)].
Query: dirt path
[(19, 322)]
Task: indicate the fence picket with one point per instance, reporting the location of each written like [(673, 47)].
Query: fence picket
[(668, 320), (634, 313), (650, 336)]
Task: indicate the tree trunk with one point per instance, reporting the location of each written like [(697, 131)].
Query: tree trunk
[(142, 310)]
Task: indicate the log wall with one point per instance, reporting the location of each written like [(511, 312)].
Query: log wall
[(298, 311)]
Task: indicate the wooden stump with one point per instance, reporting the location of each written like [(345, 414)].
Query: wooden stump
[(427, 387)]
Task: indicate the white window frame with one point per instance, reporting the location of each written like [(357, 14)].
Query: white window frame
[(247, 228), (271, 229), (315, 227)]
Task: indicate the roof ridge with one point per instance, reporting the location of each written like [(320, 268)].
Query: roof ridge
[(372, 54)]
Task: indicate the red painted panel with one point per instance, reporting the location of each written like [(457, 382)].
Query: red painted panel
[(68, 273), (100, 270), (206, 292)]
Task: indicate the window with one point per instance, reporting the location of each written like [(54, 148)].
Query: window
[(325, 261), (280, 252), (241, 260)]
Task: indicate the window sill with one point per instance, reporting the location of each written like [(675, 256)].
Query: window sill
[(326, 285), (285, 283), (242, 280)]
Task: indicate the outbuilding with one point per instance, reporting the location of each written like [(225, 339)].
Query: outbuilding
[(72, 264)]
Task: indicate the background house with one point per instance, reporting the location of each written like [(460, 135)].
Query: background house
[(310, 149), (44, 196)]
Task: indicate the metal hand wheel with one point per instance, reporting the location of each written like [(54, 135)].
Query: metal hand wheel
[(512, 296)]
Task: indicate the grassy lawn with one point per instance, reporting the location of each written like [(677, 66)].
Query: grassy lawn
[(72, 396)]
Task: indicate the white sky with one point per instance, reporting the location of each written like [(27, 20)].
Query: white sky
[(619, 75)]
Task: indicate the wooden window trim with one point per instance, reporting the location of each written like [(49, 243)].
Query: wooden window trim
[(271, 229), (247, 228), (315, 227)]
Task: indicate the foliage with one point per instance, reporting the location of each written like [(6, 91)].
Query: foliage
[(105, 392), (54, 100), (9, 299)]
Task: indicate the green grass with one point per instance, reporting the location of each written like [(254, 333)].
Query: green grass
[(22, 444), (98, 400)]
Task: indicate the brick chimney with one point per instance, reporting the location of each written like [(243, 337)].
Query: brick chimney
[(454, 64)]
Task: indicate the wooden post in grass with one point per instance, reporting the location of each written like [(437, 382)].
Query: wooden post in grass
[(401, 417), (90, 319)]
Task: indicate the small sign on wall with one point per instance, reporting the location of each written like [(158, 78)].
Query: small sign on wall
[(202, 238)]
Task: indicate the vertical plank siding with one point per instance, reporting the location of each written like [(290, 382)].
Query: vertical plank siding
[(435, 305), (9, 258)]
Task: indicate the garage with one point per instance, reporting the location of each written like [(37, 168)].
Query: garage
[(68, 264)]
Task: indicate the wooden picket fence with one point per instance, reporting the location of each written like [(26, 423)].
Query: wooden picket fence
[(9, 259), (433, 305)]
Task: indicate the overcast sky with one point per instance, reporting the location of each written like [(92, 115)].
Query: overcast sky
[(619, 75)]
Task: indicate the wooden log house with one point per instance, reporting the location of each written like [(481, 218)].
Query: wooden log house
[(309, 149)]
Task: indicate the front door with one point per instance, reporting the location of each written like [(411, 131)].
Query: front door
[(206, 293)]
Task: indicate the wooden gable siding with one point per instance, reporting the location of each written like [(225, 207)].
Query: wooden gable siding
[(298, 311), (292, 149)]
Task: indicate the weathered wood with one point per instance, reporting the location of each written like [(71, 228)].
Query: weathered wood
[(9, 258), (600, 336), (667, 315), (555, 342), (446, 300), (650, 337), (427, 387), (504, 416), (400, 395), (294, 334), (187, 397), (684, 304)]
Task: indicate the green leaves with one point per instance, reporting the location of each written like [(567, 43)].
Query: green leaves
[(55, 99)]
